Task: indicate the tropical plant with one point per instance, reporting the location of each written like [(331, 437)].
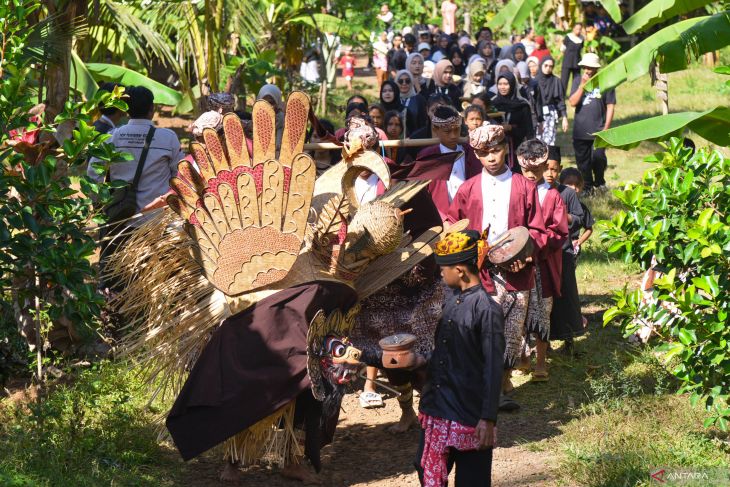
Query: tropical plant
[(685, 196), (669, 48), (712, 124), (46, 276)]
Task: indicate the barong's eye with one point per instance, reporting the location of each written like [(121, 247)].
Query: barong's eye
[(335, 347)]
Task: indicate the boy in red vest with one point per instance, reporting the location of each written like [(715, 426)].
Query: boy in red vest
[(533, 155), (496, 200)]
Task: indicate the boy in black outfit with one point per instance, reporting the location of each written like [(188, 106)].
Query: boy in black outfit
[(458, 408)]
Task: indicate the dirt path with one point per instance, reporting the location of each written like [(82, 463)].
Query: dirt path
[(364, 453)]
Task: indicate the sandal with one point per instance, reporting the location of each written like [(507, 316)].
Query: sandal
[(370, 400), (539, 376)]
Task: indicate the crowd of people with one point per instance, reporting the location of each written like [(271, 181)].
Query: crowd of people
[(491, 114), (512, 83)]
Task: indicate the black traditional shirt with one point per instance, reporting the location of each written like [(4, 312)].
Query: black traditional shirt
[(465, 368)]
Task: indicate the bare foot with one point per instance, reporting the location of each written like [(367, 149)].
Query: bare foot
[(407, 420), (230, 473), (297, 471)]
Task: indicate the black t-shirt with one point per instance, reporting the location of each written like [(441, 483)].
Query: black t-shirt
[(590, 114)]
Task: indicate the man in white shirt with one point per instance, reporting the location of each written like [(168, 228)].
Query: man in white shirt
[(494, 201), (162, 158)]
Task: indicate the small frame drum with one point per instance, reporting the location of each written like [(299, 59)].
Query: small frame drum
[(514, 244), (398, 351)]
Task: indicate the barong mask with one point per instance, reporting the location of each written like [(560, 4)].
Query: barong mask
[(332, 361)]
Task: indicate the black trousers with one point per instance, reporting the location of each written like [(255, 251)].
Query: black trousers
[(473, 468), (565, 73), (591, 162)]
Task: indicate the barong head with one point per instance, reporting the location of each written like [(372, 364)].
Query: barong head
[(458, 248), (209, 120), (532, 154), (221, 102), (486, 136), (446, 117)]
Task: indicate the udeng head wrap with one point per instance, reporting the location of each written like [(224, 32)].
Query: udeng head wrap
[(446, 117), (211, 119), (532, 154), (486, 136)]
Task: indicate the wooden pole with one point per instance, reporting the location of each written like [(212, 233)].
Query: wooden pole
[(383, 143)]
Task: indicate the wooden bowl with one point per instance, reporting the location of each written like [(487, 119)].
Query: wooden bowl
[(514, 244)]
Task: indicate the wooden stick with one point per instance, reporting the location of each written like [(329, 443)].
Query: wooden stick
[(383, 143)]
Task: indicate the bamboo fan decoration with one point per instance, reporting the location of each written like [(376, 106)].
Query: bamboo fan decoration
[(246, 212)]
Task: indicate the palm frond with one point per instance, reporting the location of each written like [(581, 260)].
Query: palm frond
[(48, 40)]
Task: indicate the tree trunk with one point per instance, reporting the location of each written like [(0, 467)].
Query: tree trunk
[(661, 85)]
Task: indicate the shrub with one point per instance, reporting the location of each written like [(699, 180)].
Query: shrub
[(679, 214)]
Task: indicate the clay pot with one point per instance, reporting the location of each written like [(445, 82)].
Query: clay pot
[(398, 351)]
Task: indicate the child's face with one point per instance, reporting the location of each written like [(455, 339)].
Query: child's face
[(552, 172), (535, 174), (377, 117), (474, 120), (394, 128), (448, 136), (492, 158), (451, 275)]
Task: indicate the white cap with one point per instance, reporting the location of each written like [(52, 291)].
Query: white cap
[(424, 45), (590, 60)]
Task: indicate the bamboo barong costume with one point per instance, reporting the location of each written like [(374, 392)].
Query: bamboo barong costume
[(241, 298)]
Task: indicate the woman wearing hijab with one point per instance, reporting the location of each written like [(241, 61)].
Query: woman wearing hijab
[(517, 114), (414, 65), (441, 50), (502, 66), (541, 51), (475, 73), (414, 104), (519, 53), (457, 60), (441, 83), (487, 51), (390, 96), (551, 101)]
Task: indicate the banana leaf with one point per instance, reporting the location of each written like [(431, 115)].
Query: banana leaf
[(613, 9), (164, 95), (709, 35), (321, 22), (513, 15), (637, 61), (81, 79), (658, 11), (712, 124)]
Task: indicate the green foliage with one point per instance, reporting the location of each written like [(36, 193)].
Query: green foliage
[(637, 61), (709, 34), (712, 124), (658, 11), (111, 72), (92, 431), (45, 273), (513, 15), (677, 213)]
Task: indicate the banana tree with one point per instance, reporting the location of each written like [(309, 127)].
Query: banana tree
[(669, 48), (713, 125), (514, 15), (658, 11)]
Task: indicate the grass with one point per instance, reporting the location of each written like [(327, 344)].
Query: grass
[(607, 417)]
